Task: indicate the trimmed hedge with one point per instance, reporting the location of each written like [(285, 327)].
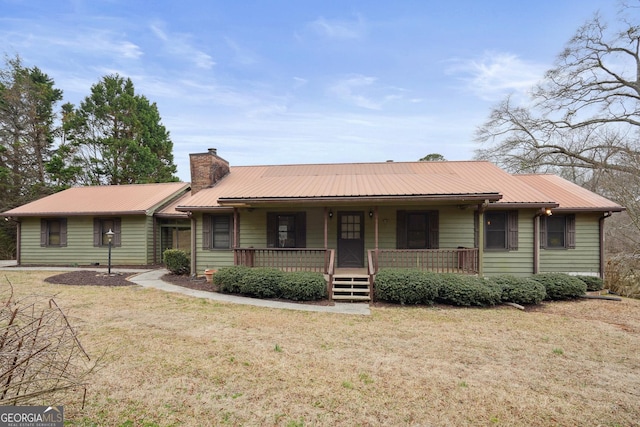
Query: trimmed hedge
[(520, 290), (176, 261), (303, 286), (594, 283), (560, 286), (271, 283), (228, 279), (404, 286), (458, 289)]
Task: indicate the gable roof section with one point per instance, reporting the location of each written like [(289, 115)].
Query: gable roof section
[(134, 199), (456, 181), (570, 196)]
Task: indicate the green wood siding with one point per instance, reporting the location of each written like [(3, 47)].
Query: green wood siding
[(134, 250), (585, 258), (517, 262), (210, 258)]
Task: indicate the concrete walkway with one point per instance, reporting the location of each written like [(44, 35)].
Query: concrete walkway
[(153, 279)]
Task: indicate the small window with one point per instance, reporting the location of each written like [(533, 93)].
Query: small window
[(417, 229), (557, 232), (217, 231), (501, 230), (101, 227), (286, 230), (53, 232)]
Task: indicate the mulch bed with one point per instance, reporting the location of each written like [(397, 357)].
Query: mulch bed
[(91, 278)]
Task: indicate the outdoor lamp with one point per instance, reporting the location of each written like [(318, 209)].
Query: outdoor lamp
[(109, 234)]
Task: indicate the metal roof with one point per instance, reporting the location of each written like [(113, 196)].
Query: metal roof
[(134, 199), (455, 181), (569, 196)]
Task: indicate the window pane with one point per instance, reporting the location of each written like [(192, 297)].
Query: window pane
[(556, 231), (221, 232), (350, 227), (417, 230), (54, 233), (286, 231), (496, 230)]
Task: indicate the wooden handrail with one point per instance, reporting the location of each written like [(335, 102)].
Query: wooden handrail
[(458, 260)]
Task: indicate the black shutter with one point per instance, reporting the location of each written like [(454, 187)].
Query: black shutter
[(44, 232), (272, 230), (512, 230), (543, 232), (232, 242), (401, 229), (97, 236), (117, 236), (570, 238), (301, 230), (206, 231), (63, 232), (434, 230)]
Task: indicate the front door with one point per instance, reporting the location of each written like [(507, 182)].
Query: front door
[(350, 239)]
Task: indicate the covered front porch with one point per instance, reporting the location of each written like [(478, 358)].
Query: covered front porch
[(356, 283)]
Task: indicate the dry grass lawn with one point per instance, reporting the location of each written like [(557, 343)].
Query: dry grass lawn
[(172, 360)]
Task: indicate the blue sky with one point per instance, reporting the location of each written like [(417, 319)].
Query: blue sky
[(282, 82)]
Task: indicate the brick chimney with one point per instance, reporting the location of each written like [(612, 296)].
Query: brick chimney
[(206, 169)]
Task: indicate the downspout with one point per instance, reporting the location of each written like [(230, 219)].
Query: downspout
[(602, 254)]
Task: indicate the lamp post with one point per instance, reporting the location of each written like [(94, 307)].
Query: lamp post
[(109, 234)]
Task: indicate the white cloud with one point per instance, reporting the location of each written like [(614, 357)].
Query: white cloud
[(496, 74), (339, 29), (179, 45), (347, 90)]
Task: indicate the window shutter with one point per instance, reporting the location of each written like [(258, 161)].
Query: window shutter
[(206, 231), (63, 232), (512, 230), (301, 230), (232, 242), (117, 225), (272, 232), (543, 232), (570, 225), (96, 232), (434, 230), (44, 232), (401, 230)]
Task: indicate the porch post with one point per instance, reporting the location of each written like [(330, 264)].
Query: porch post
[(536, 243), (194, 246), (375, 224), (481, 209), (235, 235), (326, 228)]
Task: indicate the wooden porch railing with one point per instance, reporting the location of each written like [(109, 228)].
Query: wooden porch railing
[(461, 260), (287, 259)]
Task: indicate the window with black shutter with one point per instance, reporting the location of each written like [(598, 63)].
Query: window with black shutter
[(417, 230), (286, 230)]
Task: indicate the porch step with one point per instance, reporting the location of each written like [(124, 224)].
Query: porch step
[(351, 287)]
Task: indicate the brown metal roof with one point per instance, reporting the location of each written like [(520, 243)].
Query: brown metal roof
[(103, 200), (453, 181), (568, 195)]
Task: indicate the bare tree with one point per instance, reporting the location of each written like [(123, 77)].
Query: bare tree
[(582, 120)]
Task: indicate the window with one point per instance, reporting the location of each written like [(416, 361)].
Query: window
[(101, 227), (501, 230), (558, 232), (217, 231), (417, 230), (286, 230), (53, 232)]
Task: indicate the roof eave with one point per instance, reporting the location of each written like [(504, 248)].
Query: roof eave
[(249, 201)]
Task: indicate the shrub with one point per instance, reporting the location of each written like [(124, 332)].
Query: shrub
[(458, 289), (303, 286), (594, 283), (262, 282), (561, 286), (407, 286), (176, 261), (229, 279), (521, 290)]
